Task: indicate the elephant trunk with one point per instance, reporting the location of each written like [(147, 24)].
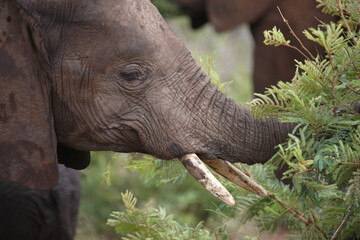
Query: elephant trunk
[(234, 136), (253, 140)]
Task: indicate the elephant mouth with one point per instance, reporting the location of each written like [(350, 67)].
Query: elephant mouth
[(197, 168)]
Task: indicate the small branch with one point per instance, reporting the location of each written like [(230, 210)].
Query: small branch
[(342, 224), (236, 176), (345, 22), (293, 33), (332, 81), (318, 228), (307, 170), (294, 212), (349, 164), (342, 99), (293, 47), (352, 62), (351, 110), (350, 88), (302, 45)]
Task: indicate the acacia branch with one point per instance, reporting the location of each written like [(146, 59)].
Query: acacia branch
[(297, 49), (342, 224), (302, 45), (296, 37), (345, 22), (350, 88), (352, 62), (298, 215), (236, 176)]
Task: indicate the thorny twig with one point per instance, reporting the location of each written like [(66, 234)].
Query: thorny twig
[(259, 190), (342, 224), (345, 22), (304, 55), (298, 215), (352, 62), (293, 47), (350, 88), (254, 187), (293, 33)]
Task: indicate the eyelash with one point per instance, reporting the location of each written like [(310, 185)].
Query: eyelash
[(131, 76)]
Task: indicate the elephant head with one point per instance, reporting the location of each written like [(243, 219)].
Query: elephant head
[(110, 75)]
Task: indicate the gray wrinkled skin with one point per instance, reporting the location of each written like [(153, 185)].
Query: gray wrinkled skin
[(110, 75)]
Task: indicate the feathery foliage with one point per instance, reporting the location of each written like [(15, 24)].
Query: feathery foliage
[(152, 223), (322, 154), (155, 169)]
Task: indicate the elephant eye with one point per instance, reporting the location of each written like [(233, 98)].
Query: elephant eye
[(131, 76), (132, 72)]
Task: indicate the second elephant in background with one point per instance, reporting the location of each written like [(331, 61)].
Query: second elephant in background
[(270, 64)]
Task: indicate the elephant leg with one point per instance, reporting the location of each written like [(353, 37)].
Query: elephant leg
[(29, 214), (26, 214)]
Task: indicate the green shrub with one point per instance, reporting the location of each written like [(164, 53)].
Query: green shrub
[(151, 223), (323, 155)]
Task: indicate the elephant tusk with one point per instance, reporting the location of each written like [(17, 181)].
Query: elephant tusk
[(202, 174), (236, 176)]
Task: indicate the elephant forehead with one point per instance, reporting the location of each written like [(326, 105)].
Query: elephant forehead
[(123, 29), (139, 23), (139, 16)]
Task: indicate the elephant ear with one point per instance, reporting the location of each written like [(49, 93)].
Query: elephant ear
[(228, 14), (27, 136)]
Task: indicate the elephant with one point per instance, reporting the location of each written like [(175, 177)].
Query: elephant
[(270, 64), (40, 214), (79, 76)]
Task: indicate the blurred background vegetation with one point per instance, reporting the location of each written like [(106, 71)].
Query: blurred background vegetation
[(231, 56)]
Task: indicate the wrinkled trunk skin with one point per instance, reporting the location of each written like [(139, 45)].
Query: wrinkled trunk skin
[(229, 131), (241, 138), (197, 118)]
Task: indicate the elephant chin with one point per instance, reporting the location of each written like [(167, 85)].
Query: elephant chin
[(197, 168)]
